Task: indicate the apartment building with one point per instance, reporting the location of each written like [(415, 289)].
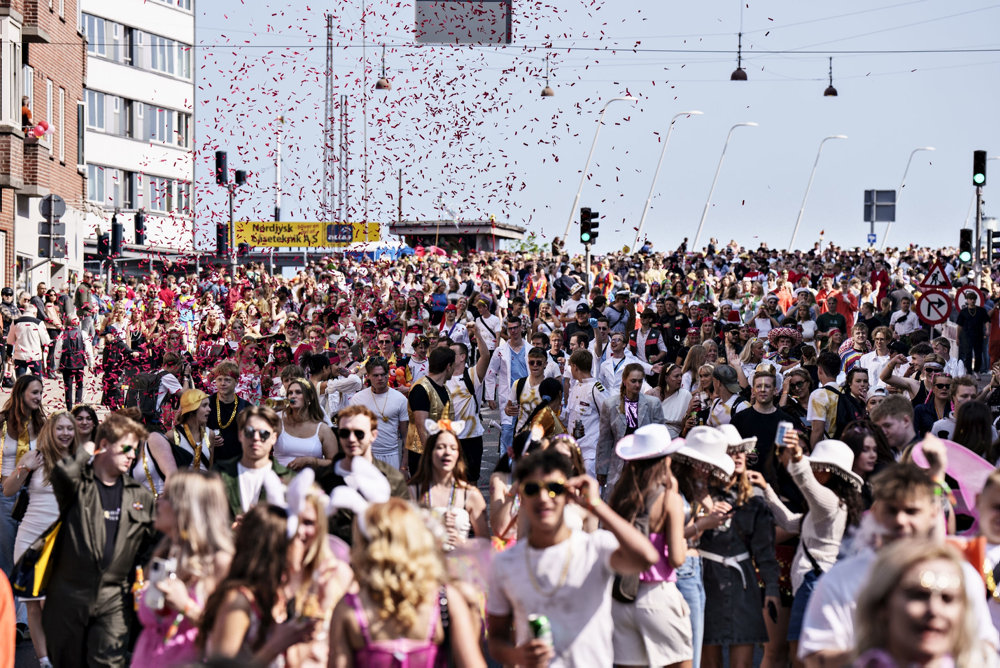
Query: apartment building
[(42, 71), (139, 129)]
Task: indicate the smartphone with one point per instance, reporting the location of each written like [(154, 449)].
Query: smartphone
[(772, 612), (784, 427), (159, 570)]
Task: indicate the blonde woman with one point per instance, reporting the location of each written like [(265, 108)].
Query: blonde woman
[(56, 440), (689, 370), (396, 614), (315, 580), (192, 513), (915, 610)]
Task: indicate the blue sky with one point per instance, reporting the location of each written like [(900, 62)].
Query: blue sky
[(468, 126)]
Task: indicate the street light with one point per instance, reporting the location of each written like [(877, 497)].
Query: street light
[(708, 202), (547, 91), (656, 174), (586, 166), (902, 183), (798, 220)]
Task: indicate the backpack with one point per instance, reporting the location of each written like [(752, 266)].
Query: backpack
[(848, 411), (142, 393), (74, 355), (625, 588)]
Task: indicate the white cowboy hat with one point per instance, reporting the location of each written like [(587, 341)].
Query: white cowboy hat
[(707, 446), (736, 443), (837, 458), (648, 442)]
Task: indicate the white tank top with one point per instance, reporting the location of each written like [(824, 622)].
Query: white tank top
[(290, 447), (10, 454)]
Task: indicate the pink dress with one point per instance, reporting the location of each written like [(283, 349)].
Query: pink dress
[(399, 652), (153, 649)]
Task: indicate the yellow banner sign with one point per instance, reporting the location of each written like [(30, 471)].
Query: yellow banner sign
[(305, 235)]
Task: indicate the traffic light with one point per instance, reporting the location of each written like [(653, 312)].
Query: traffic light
[(993, 246), (117, 232), (222, 239), (103, 246), (240, 177), (221, 168), (979, 168), (965, 245), (140, 227), (588, 225)]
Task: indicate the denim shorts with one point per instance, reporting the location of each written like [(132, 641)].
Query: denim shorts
[(799, 604)]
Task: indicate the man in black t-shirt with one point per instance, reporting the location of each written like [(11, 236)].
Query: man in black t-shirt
[(421, 406), (761, 420), (971, 323), (225, 406)]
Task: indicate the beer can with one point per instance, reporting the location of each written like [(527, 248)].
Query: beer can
[(541, 628), (784, 427)]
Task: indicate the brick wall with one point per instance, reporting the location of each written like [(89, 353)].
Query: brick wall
[(63, 61)]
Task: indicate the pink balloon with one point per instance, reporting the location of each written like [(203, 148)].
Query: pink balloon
[(44, 125), (38, 132)]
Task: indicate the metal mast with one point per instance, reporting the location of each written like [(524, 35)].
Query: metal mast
[(329, 157)]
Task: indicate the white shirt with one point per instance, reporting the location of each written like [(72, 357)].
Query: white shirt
[(168, 385), (483, 327), (722, 411), (390, 409), (456, 331), (418, 368), (584, 404), (904, 323), (612, 369), (463, 404), (251, 482), (829, 620), (874, 363), (579, 610), (675, 411)]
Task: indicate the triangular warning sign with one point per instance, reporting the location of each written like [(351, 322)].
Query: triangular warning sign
[(936, 277)]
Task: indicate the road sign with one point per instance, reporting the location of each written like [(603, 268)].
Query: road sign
[(53, 202), (933, 307), (871, 239), (966, 291), (880, 206), (936, 277), (304, 235), (55, 230)]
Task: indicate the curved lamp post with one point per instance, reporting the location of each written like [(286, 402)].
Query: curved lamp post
[(708, 202), (586, 166), (656, 174), (798, 220), (902, 183)]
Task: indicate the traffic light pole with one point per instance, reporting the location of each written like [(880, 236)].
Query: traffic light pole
[(978, 266), (587, 251), (232, 233)]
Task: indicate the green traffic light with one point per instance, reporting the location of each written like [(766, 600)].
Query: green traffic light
[(965, 256), (585, 237), (979, 178)]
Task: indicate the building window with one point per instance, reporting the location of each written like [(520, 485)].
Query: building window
[(95, 184), (81, 112), (28, 80), (95, 110), (48, 111), (61, 125), (10, 72)]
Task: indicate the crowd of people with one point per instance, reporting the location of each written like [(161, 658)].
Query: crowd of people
[(734, 455)]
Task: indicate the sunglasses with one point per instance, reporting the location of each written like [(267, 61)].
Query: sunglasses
[(262, 434), (536, 362), (942, 386), (346, 433), (531, 489), (128, 449), (797, 385)]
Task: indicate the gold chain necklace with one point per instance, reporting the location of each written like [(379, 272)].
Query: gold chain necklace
[(381, 411), (218, 412), (562, 576)]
